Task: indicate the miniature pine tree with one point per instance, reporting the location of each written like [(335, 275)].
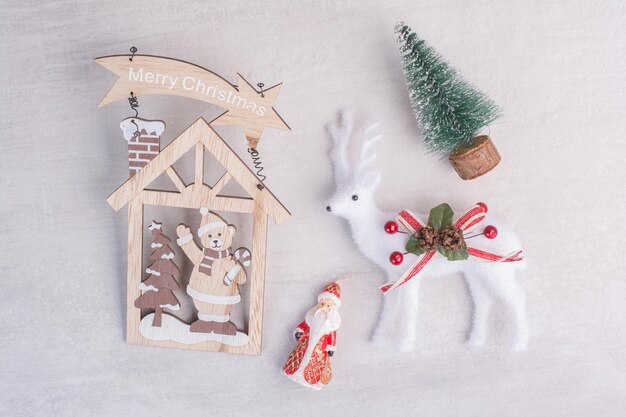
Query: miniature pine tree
[(162, 282), (449, 110)]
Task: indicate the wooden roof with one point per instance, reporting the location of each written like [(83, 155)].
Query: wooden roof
[(200, 132)]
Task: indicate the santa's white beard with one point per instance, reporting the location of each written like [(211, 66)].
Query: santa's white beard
[(321, 322)]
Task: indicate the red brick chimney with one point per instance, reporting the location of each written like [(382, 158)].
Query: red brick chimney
[(142, 148)]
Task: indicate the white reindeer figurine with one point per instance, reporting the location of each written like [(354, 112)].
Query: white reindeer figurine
[(354, 201)]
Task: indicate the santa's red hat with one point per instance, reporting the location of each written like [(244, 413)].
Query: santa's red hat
[(331, 292)]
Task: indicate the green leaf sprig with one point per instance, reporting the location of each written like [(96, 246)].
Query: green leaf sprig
[(439, 218)]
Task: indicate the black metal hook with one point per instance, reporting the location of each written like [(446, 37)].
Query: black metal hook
[(134, 103), (256, 161), (133, 50), (261, 85)]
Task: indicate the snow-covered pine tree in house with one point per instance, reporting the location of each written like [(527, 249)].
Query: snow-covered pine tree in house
[(449, 110), (158, 288)]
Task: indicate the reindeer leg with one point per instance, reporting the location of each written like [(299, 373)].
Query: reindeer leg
[(501, 279), (384, 331), (407, 315), (483, 301), (397, 325), (393, 314)]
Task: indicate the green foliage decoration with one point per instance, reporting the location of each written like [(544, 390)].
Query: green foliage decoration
[(439, 218), (450, 111)]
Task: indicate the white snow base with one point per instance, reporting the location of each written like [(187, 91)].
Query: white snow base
[(178, 331)]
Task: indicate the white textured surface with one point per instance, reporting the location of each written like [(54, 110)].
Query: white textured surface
[(557, 69)]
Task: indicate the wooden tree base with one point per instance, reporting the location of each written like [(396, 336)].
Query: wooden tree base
[(478, 159)]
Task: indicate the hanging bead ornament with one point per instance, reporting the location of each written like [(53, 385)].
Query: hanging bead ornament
[(396, 258), (391, 227), (490, 232)]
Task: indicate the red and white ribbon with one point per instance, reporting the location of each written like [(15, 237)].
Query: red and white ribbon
[(411, 223), (465, 222)]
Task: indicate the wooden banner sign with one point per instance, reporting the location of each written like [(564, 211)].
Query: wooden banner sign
[(147, 74)]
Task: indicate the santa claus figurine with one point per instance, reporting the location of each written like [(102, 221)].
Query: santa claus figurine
[(309, 362)]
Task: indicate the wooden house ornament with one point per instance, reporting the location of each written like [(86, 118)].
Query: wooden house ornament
[(260, 203), (218, 269)]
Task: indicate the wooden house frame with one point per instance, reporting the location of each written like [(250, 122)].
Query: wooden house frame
[(261, 203)]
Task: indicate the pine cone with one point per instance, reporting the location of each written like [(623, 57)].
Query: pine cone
[(428, 238), (451, 238)]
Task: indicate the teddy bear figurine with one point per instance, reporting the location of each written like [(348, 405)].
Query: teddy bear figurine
[(217, 272)]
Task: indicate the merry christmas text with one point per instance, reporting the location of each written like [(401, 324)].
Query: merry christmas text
[(190, 83)]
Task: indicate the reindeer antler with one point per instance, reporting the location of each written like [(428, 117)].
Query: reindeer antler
[(366, 139), (340, 133)]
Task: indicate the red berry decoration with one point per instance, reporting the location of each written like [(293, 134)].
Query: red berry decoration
[(391, 227), (484, 206), (396, 258), (490, 232)]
